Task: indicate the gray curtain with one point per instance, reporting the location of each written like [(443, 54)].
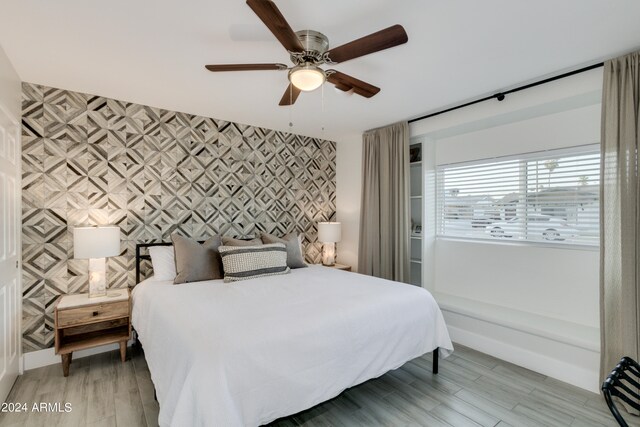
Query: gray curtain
[(384, 211), (620, 213)]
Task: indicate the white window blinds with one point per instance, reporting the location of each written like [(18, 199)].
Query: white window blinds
[(550, 197)]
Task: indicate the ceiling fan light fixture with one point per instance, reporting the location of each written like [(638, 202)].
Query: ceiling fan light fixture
[(307, 77)]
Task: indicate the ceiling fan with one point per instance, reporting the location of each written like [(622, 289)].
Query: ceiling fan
[(308, 49)]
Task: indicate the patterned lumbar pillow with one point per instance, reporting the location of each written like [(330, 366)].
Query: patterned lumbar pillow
[(248, 262), (295, 257)]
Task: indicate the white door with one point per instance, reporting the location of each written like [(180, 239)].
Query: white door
[(10, 197)]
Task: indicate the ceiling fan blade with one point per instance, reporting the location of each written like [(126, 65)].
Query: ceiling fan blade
[(268, 13), (345, 82), (290, 95), (383, 39), (245, 67)]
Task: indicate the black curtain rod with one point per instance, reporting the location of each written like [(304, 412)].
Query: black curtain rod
[(500, 95)]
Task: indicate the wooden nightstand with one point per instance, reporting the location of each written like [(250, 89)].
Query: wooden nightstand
[(82, 322), (339, 266)]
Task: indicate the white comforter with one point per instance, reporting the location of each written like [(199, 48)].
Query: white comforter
[(246, 353)]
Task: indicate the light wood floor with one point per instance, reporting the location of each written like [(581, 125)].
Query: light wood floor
[(472, 389)]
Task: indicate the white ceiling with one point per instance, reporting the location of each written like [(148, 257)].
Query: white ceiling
[(153, 52)]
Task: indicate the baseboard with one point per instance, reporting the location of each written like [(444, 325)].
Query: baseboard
[(565, 362), (46, 357)]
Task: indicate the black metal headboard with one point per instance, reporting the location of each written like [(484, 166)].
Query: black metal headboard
[(140, 257)]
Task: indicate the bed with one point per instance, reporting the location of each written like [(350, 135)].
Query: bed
[(247, 353)]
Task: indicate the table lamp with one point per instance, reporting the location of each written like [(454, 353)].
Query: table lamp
[(329, 233), (94, 244)]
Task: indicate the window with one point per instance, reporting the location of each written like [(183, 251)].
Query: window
[(550, 197)]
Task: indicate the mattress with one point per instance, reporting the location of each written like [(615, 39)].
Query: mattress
[(247, 353)]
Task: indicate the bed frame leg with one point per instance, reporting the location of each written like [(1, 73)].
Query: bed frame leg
[(435, 361)]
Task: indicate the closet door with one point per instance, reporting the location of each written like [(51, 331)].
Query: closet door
[(9, 251)]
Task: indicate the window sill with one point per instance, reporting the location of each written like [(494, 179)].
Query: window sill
[(507, 242), (562, 331)]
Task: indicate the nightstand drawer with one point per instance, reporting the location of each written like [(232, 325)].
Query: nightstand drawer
[(92, 313)]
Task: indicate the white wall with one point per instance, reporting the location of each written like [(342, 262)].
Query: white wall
[(348, 192), (499, 297), (10, 88), (576, 126), (539, 100), (557, 283)]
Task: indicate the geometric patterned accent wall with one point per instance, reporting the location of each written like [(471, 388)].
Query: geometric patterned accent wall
[(90, 160)]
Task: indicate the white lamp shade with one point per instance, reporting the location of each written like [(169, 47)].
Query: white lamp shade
[(329, 232), (96, 242)]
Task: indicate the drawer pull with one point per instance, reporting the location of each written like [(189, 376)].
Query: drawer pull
[(95, 313)]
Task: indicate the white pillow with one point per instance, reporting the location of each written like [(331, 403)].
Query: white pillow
[(301, 248), (163, 260)]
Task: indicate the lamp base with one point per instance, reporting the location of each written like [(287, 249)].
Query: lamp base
[(97, 277), (329, 254)]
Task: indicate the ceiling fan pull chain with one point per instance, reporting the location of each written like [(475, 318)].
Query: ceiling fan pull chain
[(290, 105), (323, 118)]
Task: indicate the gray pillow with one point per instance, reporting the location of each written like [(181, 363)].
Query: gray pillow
[(249, 262), (195, 261), (295, 258), (230, 241)]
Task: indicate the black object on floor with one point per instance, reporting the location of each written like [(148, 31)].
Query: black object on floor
[(621, 383)]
